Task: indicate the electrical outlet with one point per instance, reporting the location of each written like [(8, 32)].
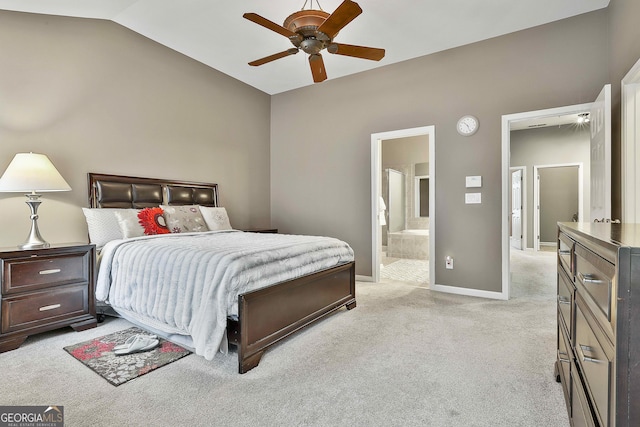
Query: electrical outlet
[(448, 262)]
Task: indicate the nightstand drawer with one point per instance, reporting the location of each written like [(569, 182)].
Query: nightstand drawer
[(35, 309), (37, 272)]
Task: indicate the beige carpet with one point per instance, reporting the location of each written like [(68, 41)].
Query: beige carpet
[(406, 356)]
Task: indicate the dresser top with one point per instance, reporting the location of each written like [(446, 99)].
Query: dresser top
[(609, 234)]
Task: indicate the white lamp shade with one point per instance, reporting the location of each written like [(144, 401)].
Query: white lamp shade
[(32, 172)]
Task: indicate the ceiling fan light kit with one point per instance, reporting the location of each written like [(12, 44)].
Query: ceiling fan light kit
[(312, 31)]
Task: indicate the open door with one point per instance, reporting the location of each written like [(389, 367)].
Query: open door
[(516, 209), (631, 145), (601, 156)]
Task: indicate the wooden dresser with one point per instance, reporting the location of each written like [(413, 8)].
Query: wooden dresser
[(45, 289), (598, 358)]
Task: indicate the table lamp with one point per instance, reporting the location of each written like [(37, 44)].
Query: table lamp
[(32, 173)]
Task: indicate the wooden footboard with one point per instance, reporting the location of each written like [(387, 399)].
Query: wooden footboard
[(270, 314)]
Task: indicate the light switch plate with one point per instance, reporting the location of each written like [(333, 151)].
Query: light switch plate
[(472, 198), (474, 181)]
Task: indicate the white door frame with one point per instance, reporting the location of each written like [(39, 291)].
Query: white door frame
[(631, 145), (376, 191), (536, 197), (523, 214), (506, 187)]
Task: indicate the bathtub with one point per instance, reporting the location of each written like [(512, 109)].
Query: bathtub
[(413, 232), (410, 244)]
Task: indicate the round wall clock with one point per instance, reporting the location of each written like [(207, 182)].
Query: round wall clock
[(467, 125)]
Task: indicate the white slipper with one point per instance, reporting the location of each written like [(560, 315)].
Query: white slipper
[(130, 340), (140, 343)]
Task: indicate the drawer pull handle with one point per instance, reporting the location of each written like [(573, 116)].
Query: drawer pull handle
[(49, 307), (589, 359), (564, 251), (52, 271), (588, 278), (564, 300), (585, 358)]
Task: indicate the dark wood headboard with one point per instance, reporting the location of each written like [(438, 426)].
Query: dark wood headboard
[(117, 191)]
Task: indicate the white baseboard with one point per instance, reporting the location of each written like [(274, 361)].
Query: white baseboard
[(469, 292)]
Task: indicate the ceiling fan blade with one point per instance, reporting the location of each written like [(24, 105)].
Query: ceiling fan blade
[(345, 13), (317, 68), (273, 57), (363, 52), (254, 17)]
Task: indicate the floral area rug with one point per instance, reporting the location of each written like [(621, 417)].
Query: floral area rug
[(98, 355)]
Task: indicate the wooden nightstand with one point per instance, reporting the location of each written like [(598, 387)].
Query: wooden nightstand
[(44, 289)]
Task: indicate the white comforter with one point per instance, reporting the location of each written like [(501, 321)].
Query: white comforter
[(188, 284)]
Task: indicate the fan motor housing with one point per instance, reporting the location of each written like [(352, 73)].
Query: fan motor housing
[(305, 18), (306, 23)]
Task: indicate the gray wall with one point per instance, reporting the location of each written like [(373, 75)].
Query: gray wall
[(558, 64), (96, 97), (558, 199), (550, 146)]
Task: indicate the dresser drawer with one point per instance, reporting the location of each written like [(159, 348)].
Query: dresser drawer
[(594, 278), (595, 365), (38, 308), (565, 300), (565, 358), (580, 412), (565, 253), (37, 272)]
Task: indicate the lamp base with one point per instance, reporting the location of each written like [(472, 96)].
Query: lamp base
[(35, 240), (31, 245)]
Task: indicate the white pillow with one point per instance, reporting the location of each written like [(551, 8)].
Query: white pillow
[(184, 219), (216, 218), (103, 225), (129, 223)]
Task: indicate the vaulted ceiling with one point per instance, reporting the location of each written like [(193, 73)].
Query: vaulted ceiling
[(215, 33)]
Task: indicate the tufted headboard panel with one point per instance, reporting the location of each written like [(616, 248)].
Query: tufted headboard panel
[(117, 191)]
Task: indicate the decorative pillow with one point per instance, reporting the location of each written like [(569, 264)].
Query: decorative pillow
[(129, 225), (184, 219), (215, 218), (153, 222), (103, 225)]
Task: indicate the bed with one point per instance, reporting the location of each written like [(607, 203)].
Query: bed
[(265, 315)]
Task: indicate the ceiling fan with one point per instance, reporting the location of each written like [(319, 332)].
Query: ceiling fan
[(312, 31)]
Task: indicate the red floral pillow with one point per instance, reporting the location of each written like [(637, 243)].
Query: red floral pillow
[(152, 220)]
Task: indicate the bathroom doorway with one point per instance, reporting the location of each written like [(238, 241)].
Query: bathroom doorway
[(402, 191)]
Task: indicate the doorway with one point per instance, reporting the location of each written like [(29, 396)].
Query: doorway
[(378, 204), (558, 193), (510, 122)]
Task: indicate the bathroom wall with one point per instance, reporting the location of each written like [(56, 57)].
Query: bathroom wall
[(406, 155)]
